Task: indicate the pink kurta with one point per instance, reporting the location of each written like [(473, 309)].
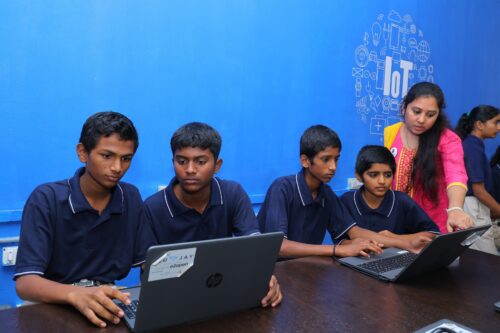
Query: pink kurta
[(454, 173)]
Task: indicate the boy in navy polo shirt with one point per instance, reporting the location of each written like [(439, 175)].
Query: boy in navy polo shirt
[(198, 206), (304, 207), (378, 208), (88, 229)]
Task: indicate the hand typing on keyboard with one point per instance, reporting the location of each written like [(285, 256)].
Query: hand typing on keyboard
[(358, 247), (96, 303)]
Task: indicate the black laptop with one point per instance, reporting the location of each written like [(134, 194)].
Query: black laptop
[(396, 264), (198, 280)]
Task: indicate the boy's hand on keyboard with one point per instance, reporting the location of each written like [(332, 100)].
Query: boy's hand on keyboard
[(96, 303), (417, 243), (358, 246)]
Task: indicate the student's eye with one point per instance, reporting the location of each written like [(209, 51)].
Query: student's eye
[(388, 175), (201, 162), (430, 115), (417, 111), (127, 159), (372, 174), (106, 156), (181, 161), (325, 159)]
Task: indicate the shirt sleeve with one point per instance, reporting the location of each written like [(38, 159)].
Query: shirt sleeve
[(244, 219), (273, 215), (340, 220), (475, 161), (36, 236), (452, 155), (416, 219)]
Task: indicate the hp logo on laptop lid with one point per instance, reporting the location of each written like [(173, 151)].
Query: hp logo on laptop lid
[(214, 280)]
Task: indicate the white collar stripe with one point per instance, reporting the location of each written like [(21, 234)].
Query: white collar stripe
[(121, 190), (355, 203), (69, 198), (220, 191), (393, 201), (166, 202), (298, 188)]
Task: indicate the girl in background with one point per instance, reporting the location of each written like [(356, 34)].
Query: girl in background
[(429, 158), (482, 122)]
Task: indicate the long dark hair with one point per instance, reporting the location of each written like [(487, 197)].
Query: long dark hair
[(427, 164), (481, 113)]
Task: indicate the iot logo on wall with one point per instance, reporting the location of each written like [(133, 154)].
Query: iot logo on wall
[(391, 58)]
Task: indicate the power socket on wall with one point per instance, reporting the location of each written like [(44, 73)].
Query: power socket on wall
[(9, 255)]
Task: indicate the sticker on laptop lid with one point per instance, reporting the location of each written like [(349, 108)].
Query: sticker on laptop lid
[(172, 264)]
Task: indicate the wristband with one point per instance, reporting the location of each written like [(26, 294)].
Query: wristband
[(454, 208), (334, 248)]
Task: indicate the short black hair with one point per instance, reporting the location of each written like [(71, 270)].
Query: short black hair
[(368, 155), (317, 138), (105, 124), (197, 135)]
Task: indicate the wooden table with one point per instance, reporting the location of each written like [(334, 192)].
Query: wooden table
[(320, 295)]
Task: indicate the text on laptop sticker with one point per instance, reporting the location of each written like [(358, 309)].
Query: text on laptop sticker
[(172, 264)]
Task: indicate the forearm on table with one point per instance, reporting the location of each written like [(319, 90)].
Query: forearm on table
[(39, 289), (291, 248)]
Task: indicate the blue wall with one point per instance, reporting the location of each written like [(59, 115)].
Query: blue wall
[(258, 71)]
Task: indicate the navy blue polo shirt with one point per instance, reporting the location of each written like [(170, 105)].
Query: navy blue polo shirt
[(477, 164), (64, 239), (397, 213), (289, 207), (229, 212)]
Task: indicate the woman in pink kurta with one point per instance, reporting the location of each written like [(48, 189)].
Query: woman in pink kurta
[(429, 158)]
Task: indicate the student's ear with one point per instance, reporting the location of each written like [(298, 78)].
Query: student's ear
[(304, 161), (218, 164), (82, 153), (358, 177), (478, 124)]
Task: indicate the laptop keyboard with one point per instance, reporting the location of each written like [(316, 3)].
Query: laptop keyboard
[(388, 264), (129, 310)]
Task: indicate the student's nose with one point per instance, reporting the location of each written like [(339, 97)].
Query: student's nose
[(116, 166), (332, 165), (190, 167), (381, 179), (421, 118)]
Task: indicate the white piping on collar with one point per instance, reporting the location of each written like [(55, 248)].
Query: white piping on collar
[(121, 190), (71, 202), (355, 203), (166, 201), (298, 188), (220, 191), (393, 201), (392, 205), (69, 198)]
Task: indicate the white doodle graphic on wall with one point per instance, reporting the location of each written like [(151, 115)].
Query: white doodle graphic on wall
[(392, 56)]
